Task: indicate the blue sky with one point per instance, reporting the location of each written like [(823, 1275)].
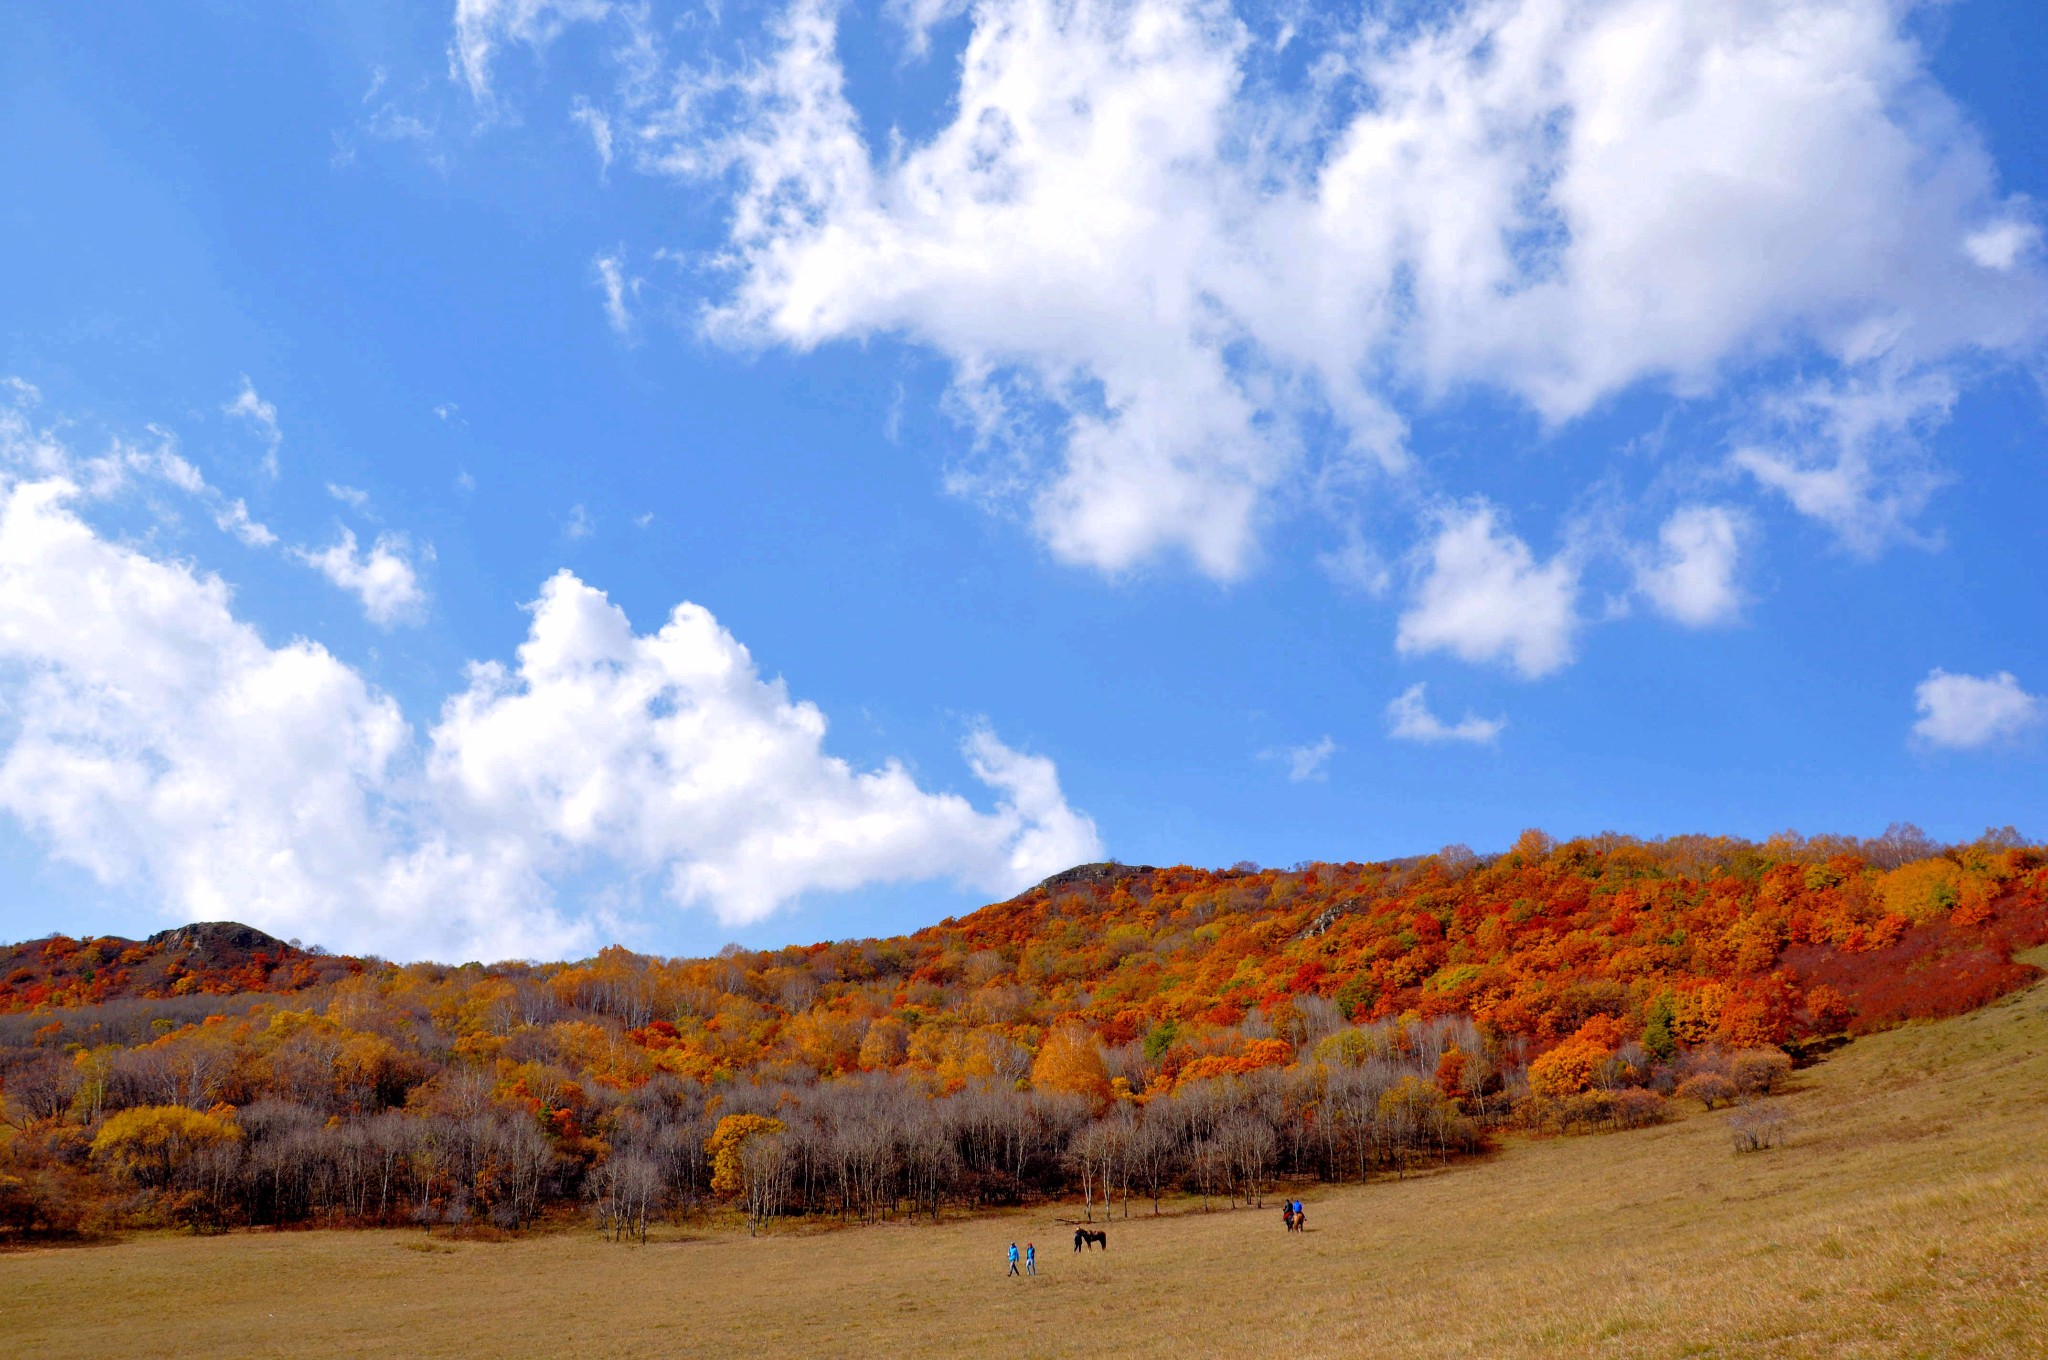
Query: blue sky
[(1075, 430)]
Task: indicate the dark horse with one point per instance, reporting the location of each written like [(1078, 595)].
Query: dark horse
[(1287, 1216), (1084, 1237)]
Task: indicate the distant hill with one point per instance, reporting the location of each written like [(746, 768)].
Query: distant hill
[(205, 958), (1156, 1027)]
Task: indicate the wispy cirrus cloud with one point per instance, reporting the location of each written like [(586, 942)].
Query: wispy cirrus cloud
[(262, 417), (1307, 762)]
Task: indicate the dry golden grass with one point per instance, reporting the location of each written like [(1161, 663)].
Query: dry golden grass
[(1908, 1216)]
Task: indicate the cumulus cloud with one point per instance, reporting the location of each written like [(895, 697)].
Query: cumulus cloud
[(157, 741), (1482, 596), (1162, 271), (673, 752), (1409, 719), (1968, 712), (382, 578), (263, 416), (1691, 576)]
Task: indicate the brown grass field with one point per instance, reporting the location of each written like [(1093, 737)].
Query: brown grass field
[(1907, 1216)]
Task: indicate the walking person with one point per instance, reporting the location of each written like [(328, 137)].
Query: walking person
[(1013, 1259), (1030, 1258)]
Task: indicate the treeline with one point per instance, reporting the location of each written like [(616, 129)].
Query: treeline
[(148, 1141), (143, 1144)]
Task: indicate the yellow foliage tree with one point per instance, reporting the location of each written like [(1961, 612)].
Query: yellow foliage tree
[(885, 1045), (1069, 1061), (727, 1148), (1572, 1066), (150, 1142), (1920, 891)]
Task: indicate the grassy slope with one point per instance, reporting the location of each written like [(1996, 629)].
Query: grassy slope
[(1908, 1217)]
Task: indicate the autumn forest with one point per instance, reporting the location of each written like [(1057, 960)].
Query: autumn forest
[(1117, 1035)]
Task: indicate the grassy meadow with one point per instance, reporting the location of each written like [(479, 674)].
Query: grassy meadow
[(1906, 1216)]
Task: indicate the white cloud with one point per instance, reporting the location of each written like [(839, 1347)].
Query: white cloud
[(1691, 577), (1483, 597), (593, 121), (482, 27), (232, 517), (619, 289), (2002, 245), (670, 751), (1409, 719), (1356, 566), (383, 578), (1158, 270), (1850, 453), (27, 450), (261, 414), (579, 523), (1305, 762), (350, 496), (155, 740), (1965, 712)]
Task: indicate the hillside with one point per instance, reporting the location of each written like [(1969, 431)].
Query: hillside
[(1122, 1028), (208, 958), (1906, 1215)]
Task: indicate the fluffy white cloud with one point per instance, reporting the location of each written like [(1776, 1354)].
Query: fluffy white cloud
[(1483, 597), (263, 416), (157, 741), (2002, 245), (1409, 719), (1964, 712), (1159, 269), (383, 578), (1691, 576), (672, 753)]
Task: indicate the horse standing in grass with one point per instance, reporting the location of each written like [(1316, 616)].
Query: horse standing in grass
[(1287, 1215), (1084, 1237)]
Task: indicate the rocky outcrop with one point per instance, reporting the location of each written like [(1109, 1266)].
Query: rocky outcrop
[(220, 942), (1090, 875)]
